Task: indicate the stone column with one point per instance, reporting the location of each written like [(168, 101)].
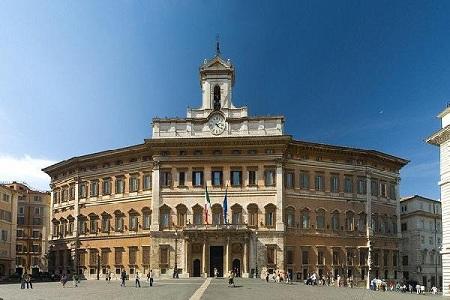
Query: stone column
[(227, 257), (204, 258), (369, 226), (77, 207), (186, 256), (279, 196), (155, 197), (245, 259)]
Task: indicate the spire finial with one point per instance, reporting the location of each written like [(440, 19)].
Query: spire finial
[(217, 45)]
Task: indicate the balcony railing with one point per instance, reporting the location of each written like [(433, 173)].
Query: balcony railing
[(216, 227)]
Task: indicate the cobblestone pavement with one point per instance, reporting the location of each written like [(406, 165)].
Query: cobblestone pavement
[(186, 288)]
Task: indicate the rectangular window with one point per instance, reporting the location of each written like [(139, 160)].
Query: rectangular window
[(304, 180), (132, 255), (166, 179), (269, 219), (289, 180), (290, 255), (404, 227), (362, 188), (383, 189), (216, 178), (19, 233), (147, 182), (37, 211), (36, 234), (134, 184), (82, 190), (269, 179), (4, 235), (252, 177), (118, 256), (119, 223), (320, 258), (105, 257), (405, 260), (197, 178), (72, 192), (94, 189), (146, 255), (164, 255), (236, 178), (320, 183), (181, 178), (106, 187), (348, 184), (374, 187), (120, 185), (305, 257), (334, 183)]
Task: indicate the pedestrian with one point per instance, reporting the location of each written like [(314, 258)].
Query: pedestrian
[(29, 281), (137, 283), (230, 278), (22, 281), (267, 277), (150, 277), (64, 280), (75, 280), (123, 277), (216, 273)]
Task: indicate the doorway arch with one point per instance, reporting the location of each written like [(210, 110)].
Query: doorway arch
[(237, 267), (196, 268)]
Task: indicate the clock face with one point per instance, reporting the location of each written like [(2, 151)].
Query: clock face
[(217, 124)]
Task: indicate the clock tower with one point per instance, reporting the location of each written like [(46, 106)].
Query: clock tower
[(217, 116)]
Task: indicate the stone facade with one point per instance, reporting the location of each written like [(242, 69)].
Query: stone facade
[(33, 222), (421, 240), (290, 203), (8, 225), (442, 139)]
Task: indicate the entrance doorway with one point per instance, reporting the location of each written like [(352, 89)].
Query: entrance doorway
[(196, 268), (216, 260), (237, 267)]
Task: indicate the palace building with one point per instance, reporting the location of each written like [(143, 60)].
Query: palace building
[(291, 205)]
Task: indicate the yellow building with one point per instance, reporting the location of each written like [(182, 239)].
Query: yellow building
[(8, 211), (291, 205), (33, 211)]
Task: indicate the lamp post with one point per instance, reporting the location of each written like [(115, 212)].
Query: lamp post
[(175, 272), (98, 265), (256, 254)]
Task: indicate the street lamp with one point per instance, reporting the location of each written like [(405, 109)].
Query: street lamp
[(256, 254), (175, 272)]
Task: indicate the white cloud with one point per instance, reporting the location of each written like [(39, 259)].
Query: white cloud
[(25, 169)]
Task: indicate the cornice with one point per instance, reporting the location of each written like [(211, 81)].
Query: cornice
[(439, 137)]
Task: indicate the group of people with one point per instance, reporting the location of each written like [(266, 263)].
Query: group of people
[(377, 284), (279, 276), (137, 282), (25, 280)]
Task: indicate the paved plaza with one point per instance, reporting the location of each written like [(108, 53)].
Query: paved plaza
[(211, 289)]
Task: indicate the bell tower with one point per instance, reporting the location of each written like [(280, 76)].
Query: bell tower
[(216, 81)]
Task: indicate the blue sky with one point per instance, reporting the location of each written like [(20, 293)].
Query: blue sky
[(85, 76)]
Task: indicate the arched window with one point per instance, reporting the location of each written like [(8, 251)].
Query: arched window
[(350, 221), (164, 216), (362, 222), (305, 219), (252, 210), (181, 215), (290, 217), (133, 219), (216, 97), (217, 214), (270, 215), (198, 214), (118, 215), (335, 220), (320, 219), (236, 214)]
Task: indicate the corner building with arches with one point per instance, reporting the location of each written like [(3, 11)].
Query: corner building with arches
[(291, 205)]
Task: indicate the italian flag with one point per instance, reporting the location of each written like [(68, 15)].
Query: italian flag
[(207, 206)]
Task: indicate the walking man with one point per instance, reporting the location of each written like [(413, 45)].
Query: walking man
[(138, 283), (150, 277), (123, 276)]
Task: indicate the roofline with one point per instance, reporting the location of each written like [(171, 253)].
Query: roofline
[(383, 155), (407, 198), (87, 157)]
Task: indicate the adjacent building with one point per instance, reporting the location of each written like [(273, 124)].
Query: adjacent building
[(8, 211), (421, 240), (291, 205), (33, 211), (442, 139)]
